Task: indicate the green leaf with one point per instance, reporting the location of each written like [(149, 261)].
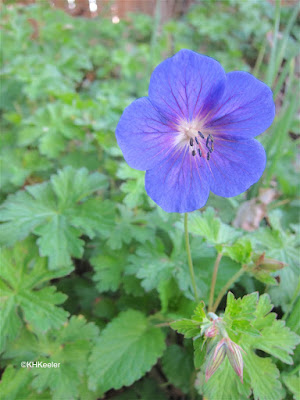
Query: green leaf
[(264, 377), (167, 290), (108, 268), (21, 277), (260, 330), (133, 186), (15, 385), (292, 382), (260, 374), (191, 327), (283, 246), (186, 327), (199, 355), (204, 258), (240, 251), (240, 313), (16, 165), (178, 367), (293, 321), (146, 389), (70, 346), (51, 128), (207, 225), (127, 348), (275, 338), (199, 313), (94, 216), (224, 384), (128, 226), (150, 265), (59, 241), (53, 211), (72, 186)]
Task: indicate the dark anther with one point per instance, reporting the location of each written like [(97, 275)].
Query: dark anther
[(208, 156), (191, 142), (199, 152), (193, 153), (210, 143), (201, 134), (196, 140)]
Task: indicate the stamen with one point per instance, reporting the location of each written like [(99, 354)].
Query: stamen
[(210, 145), (193, 153), (191, 142), (208, 156), (201, 135), (196, 140), (199, 151)]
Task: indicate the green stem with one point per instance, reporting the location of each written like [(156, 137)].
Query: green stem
[(227, 286), (271, 68), (292, 302), (259, 59), (162, 324), (213, 281), (188, 250)]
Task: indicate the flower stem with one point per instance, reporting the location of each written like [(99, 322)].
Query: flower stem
[(213, 281), (227, 286), (162, 324), (188, 250), (292, 302)]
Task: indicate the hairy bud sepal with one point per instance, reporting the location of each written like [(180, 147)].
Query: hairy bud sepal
[(268, 264), (216, 356), (234, 354)]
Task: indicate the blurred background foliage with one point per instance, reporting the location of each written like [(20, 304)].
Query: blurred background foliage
[(80, 236)]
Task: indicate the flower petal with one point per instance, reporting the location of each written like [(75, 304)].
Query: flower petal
[(235, 166), (246, 109), (179, 184), (186, 85), (144, 135)]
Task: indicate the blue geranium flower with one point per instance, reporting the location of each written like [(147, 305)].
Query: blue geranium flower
[(194, 132)]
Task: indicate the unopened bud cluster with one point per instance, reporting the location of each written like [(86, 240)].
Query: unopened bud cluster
[(221, 346)]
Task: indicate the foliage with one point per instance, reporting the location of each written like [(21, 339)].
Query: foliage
[(139, 345), (54, 212), (249, 323), (92, 272)]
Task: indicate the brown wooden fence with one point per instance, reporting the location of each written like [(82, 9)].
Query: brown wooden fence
[(116, 8), (119, 8)]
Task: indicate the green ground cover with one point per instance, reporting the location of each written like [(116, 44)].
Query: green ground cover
[(92, 271)]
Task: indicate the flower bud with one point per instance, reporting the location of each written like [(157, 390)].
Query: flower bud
[(215, 359), (268, 264), (212, 331), (234, 354)]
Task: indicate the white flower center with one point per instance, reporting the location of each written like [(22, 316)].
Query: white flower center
[(190, 133)]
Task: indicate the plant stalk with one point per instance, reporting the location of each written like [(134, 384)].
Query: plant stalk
[(213, 281), (190, 261), (227, 286)]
